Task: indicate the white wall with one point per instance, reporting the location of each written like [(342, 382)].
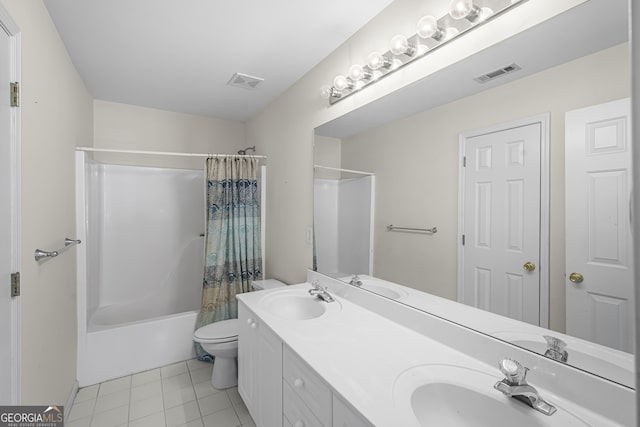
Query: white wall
[(130, 127), (56, 116), (326, 152), (416, 164), (284, 130)]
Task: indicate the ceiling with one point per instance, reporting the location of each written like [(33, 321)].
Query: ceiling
[(178, 55)]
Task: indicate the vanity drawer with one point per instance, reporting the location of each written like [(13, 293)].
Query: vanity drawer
[(307, 385), (296, 412)]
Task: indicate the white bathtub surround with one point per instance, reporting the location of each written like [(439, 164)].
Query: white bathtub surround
[(140, 271), (343, 218), (347, 346)]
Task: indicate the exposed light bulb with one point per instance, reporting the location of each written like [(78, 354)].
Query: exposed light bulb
[(341, 83), (326, 91), (376, 60), (428, 28), (464, 9), (400, 45), (357, 73)]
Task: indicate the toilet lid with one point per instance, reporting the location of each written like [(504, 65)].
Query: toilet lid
[(223, 330)]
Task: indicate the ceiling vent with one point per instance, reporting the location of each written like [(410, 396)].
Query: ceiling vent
[(498, 73), (244, 81)]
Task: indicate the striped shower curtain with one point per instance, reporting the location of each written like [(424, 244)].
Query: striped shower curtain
[(233, 256)]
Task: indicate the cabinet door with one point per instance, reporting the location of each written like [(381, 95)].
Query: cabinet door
[(259, 369), (269, 374), (247, 337)]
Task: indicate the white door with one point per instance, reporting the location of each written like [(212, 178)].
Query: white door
[(8, 362), (600, 305), (500, 256)]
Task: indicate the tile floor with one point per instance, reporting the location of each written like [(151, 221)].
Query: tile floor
[(176, 395)]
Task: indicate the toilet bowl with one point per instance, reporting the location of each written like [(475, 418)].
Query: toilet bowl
[(220, 339)]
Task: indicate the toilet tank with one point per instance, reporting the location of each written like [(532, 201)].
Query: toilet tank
[(259, 285)]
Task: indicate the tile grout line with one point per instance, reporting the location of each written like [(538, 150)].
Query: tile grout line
[(234, 405)]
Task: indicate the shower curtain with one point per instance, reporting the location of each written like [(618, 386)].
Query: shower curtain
[(233, 256)]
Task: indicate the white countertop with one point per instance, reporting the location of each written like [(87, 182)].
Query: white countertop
[(361, 354)]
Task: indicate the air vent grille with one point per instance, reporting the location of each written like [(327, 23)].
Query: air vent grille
[(498, 73), (244, 81)]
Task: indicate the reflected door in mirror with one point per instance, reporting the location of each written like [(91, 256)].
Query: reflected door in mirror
[(501, 222), (599, 257)]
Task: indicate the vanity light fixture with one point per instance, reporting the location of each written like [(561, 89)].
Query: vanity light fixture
[(431, 33)]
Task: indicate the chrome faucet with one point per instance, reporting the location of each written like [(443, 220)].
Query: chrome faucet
[(515, 385), (320, 292), (556, 349), (355, 281)]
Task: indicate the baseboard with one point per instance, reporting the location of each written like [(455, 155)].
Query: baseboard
[(70, 399)]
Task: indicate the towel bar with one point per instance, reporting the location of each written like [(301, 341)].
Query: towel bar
[(432, 230), (40, 254)]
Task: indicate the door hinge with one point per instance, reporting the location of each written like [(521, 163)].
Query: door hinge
[(464, 161), (463, 240), (14, 94), (15, 284)]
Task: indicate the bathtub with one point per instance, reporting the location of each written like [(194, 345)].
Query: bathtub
[(154, 331), (126, 349), (140, 270), (140, 267)]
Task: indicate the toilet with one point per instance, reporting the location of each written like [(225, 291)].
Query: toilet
[(220, 339)]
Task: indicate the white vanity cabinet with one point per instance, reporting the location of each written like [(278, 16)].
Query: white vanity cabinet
[(308, 400), (259, 369), (278, 387)]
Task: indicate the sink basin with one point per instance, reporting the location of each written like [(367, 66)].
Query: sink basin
[(297, 304), (445, 395)]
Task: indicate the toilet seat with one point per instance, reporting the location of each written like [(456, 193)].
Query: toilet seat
[(218, 332)]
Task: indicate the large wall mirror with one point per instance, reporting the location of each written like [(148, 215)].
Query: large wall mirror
[(415, 159)]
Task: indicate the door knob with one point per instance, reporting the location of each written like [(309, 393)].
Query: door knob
[(576, 278), (529, 266)]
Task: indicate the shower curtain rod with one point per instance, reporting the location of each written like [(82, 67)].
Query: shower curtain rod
[(343, 170), (160, 153)]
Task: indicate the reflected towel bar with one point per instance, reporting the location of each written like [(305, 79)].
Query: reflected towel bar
[(432, 230), (40, 254)]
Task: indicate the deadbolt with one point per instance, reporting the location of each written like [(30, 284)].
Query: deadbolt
[(529, 266), (576, 278)]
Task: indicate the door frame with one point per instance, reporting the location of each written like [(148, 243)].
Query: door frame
[(11, 28), (543, 120)]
